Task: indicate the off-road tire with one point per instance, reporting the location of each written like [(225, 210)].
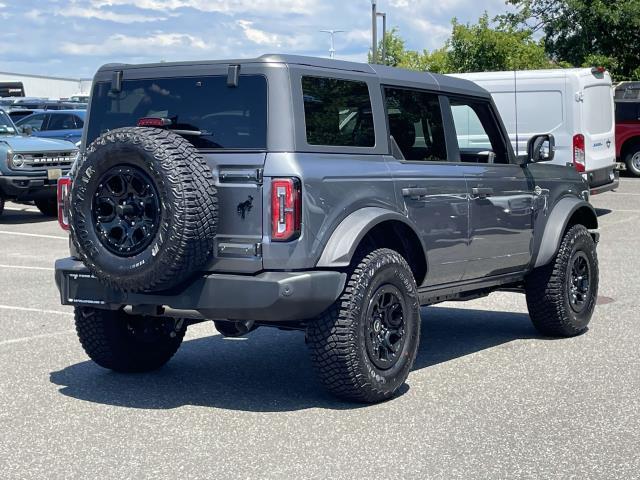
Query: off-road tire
[(108, 338), (548, 291), (47, 206), (337, 337), (631, 161), (183, 242)]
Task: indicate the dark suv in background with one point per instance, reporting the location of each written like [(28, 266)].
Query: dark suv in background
[(331, 197)]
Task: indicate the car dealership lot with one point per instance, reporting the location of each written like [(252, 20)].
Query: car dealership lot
[(488, 397)]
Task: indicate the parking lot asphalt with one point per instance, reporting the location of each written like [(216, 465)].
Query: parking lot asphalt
[(488, 397)]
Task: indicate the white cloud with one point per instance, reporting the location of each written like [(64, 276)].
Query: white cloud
[(155, 45), (105, 14), (262, 37), (223, 6)]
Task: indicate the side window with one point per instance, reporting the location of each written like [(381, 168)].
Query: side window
[(63, 121), (79, 122), (36, 122), (415, 125), (337, 112), (478, 134)]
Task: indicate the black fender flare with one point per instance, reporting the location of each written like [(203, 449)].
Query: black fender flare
[(557, 224), (345, 239)]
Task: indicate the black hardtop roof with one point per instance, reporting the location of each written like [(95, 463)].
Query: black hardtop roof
[(398, 76)]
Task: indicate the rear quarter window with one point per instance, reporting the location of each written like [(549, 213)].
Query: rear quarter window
[(337, 112)]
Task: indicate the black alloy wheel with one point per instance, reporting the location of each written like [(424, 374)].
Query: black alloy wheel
[(579, 282), (385, 329), (126, 210)]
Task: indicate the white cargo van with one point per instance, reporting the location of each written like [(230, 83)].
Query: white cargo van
[(575, 105)]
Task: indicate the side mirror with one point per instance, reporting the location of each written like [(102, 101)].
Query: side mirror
[(541, 148), (27, 130)]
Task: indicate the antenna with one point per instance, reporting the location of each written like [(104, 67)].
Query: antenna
[(515, 100)]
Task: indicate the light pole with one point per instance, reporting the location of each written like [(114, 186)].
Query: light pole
[(332, 33)]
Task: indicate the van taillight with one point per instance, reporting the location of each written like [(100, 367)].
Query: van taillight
[(64, 194), (578, 153), (286, 209)]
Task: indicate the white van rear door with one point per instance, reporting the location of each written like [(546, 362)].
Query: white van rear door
[(598, 125)]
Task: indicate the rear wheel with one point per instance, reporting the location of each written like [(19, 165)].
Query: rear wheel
[(364, 346), (632, 160), (562, 296), (47, 206), (128, 343)]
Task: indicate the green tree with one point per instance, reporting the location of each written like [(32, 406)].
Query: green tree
[(482, 47), (582, 32), (471, 48)]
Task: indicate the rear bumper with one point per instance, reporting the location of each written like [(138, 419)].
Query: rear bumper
[(269, 296), (603, 180), (27, 188)]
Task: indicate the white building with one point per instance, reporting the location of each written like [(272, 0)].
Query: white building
[(48, 87)]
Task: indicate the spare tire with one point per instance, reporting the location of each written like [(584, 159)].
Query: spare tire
[(143, 209)]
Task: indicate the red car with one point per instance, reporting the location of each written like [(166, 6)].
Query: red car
[(627, 96)]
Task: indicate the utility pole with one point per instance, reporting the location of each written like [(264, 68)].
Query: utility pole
[(332, 50), (374, 31)]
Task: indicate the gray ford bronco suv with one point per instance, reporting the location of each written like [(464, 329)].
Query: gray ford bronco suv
[(299, 193)]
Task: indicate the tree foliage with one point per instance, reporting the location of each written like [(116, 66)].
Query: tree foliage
[(584, 32), (471, 47)]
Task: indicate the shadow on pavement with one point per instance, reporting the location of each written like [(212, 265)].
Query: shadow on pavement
[(601, 212), (270, 370), (20, 217)]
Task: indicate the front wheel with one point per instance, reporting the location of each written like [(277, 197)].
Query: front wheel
[(364, 346), (128, 343), (562, 296)]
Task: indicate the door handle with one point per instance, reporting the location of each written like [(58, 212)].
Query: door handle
[(481, 192), (414, 193)]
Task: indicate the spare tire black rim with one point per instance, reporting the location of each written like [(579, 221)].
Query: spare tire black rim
[(126, 210), (385, 327)]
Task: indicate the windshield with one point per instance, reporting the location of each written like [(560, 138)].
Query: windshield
[(6, 125), (204, 110)]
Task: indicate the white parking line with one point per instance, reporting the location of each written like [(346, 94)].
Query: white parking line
[(24, 267), (36, 310), (37, 235), (14, 209), (35, 337)]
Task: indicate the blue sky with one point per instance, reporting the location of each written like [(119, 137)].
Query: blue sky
[(74, 37)]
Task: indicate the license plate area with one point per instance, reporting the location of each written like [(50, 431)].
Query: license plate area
[(54, 173), (83, 289)]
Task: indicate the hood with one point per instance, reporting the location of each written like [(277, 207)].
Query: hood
[(34, 144)]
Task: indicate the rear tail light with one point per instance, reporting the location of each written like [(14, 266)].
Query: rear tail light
[(64, 194), (578, 153), (286, 209)]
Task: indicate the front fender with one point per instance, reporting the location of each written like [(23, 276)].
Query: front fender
[(557, 224), (347, 236)]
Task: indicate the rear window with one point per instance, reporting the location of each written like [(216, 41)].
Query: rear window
[(337, 112), (598, 109), (627, 111), (205, 110)]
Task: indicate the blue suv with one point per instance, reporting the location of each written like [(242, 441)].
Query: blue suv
[(58, 124)]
